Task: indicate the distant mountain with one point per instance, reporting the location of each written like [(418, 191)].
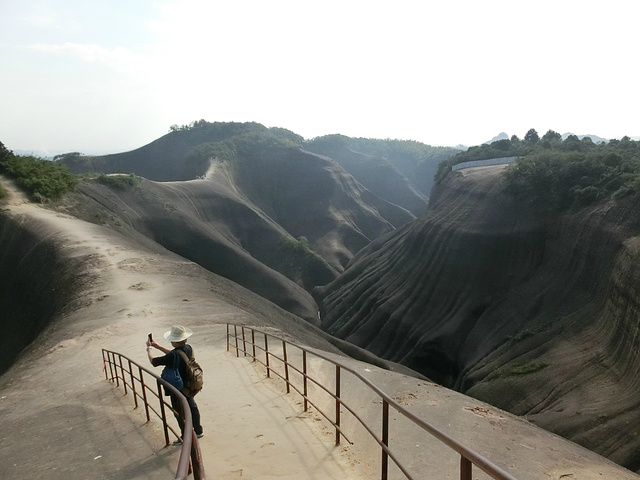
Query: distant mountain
[(594, 138), (500, 136)]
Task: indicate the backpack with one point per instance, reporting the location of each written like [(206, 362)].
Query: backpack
[(193, 378)]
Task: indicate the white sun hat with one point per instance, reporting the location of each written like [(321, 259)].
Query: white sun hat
[(177, 333)]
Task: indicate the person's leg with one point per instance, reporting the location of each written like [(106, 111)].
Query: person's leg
[(177, 406), (195, 415)]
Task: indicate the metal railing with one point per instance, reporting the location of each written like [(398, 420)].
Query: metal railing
[(468, 457), (139, 380)]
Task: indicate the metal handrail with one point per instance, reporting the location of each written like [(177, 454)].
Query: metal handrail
[(468, 457), (190, 456)]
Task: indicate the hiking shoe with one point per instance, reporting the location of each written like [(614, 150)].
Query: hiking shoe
[(200, 435), (177, 442)]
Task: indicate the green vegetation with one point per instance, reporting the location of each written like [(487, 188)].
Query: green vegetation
[(217, 131), (291, 256), (246, 140), (42, 179), (3, 192), (119, 181), (515, 147), (555, 175), (198, 158), (67, 157), (291, 245), (520, 369), (407, 151)]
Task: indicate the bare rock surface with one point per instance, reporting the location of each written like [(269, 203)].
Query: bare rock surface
[(60, 418), (534, 314)]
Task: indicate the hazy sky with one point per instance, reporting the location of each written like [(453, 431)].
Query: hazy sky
[(114, 75)]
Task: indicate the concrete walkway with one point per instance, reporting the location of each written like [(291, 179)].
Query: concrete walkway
[(253, 429)]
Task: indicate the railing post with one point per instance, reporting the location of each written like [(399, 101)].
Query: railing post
[(227, 337), (244, 342), (235, 335), (196, 459), (144, 394), (337, 405), (115, 370), (124, 382), (466, 468), (286, 366), (253, 343), (133, 385), (266, 354), (304, 376), (109, 361), (163, 413), (104, 363), (385, 439)]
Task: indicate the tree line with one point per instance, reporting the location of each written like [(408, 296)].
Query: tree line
[(554, 175)]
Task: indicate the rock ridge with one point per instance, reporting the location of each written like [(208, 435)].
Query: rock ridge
[(534, 314)]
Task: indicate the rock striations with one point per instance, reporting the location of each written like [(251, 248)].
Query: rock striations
[(265, 213), (536, 315)]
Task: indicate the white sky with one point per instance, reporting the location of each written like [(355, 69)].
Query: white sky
[(114, 75)]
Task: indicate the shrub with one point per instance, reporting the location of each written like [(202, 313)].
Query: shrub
[(42, 179), (291, 245), (120, 182), (555, 181)]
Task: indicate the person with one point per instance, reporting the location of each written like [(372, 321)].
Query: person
[(178, 336)]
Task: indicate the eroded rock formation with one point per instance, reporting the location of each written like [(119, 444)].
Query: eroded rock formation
[(537, 315)]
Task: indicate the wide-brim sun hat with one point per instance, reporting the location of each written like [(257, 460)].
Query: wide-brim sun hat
[(178, 333)]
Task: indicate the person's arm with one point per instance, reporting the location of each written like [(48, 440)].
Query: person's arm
[(152, 343)]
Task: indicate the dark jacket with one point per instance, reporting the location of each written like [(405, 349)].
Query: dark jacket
[(170, 358)]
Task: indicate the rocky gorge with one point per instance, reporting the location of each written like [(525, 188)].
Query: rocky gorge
[(537, 315), (534, 313)]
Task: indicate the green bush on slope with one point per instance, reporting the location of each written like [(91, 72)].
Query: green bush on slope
[(42, 179), (120, 182)]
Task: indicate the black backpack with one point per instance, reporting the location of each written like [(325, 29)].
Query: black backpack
[(193, 378)]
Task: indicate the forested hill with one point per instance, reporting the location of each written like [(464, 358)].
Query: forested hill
[(399, 171), (567, 159)]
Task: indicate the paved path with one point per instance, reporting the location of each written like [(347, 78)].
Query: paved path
[(60, 418), (254, 430)]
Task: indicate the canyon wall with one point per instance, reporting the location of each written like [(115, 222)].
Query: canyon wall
[(533, 313)]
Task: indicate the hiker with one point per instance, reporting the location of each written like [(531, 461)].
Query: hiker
[(173, 359)]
